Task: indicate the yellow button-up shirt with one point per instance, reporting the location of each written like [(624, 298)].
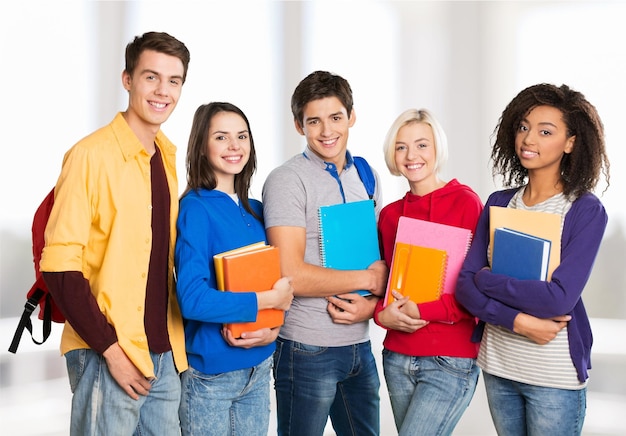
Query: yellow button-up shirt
[(101, 225)]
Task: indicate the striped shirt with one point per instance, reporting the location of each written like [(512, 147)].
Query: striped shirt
[(509, 355)]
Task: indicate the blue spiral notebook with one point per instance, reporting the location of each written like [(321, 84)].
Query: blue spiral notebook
[(348, 236)]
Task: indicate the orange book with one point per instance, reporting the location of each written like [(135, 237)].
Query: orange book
[(455, 241), (218, 260), (253, 271), (418, 272)]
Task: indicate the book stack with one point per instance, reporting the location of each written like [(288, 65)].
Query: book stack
[(427, 259), (252, 268), (543, 225)]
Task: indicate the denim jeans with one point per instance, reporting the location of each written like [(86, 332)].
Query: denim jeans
[(428, 394), (522, 409), (313, 383), (101, 407), (231, 403)]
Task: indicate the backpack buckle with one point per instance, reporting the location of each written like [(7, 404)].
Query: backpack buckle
[(31, 304)]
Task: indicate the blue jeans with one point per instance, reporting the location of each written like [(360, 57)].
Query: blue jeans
[(521, 409), (231, 403), (428, 394), (313, 383), (101, 407)]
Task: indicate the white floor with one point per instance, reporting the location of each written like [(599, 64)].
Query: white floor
[(40, 407)]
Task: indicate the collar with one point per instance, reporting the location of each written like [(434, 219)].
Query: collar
[(129, 143), (328, 166)]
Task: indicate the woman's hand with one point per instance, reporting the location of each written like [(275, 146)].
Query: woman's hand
[(539, 330), (257, 338), (401, 314), (279, 297)]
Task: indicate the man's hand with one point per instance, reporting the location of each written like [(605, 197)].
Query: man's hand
[(539, 330), (351, 308), (257, 338), (125, 373), (380, 276), (401, 314)]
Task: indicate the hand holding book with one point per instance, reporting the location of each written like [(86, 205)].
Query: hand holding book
[(250, 339), (401, 314), (350, 308), (279, 297)]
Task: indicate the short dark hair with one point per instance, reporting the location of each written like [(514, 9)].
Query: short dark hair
[(200, 173), (580, 169), (160, 42), (318, 85)]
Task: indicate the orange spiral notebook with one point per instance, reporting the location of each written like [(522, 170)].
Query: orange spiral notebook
[(253, 268), (417, 272), (454, 241)]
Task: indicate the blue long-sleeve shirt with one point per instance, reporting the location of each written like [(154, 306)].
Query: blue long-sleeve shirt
[(497, 299), (210, 222)]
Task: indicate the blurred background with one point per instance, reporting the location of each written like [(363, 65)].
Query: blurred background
[(464, 60)]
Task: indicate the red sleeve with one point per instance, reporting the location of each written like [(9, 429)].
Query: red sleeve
[(447, 309), (379, 307), (73, 296)]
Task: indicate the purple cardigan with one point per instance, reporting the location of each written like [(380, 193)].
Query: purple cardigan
[(497, 299)]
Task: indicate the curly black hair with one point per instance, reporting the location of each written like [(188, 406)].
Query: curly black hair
[(580, 169)]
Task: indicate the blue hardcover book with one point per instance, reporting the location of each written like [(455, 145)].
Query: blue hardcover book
[(348, 236), (520, 255)]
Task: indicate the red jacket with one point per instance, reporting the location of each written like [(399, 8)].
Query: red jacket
[(450, 329)]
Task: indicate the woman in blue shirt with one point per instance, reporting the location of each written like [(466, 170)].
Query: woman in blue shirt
[(226, 388)]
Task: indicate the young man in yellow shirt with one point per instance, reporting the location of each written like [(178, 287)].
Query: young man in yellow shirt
[(108, 257)]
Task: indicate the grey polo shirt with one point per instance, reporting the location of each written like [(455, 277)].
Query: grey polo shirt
[(292, 195)]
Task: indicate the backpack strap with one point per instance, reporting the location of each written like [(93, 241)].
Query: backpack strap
[(366, 175), (25, 322)]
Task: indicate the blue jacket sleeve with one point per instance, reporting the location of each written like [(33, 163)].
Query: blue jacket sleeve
[(196, 285)]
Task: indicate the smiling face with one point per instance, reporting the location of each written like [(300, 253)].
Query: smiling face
[(542, 140), (154, 90), (326, 125), (415, 157), (228, 148)]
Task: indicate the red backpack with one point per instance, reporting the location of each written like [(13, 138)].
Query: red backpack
[(38, 294)]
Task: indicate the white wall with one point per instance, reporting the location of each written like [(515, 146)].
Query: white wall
[(62, 62)]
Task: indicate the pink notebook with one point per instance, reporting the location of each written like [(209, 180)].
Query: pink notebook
[(454, 240)]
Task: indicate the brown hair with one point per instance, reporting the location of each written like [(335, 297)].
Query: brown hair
[(160, 42), (200, 173), (318, 85)]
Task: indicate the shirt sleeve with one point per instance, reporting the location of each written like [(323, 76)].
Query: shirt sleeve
[(284, 199), (71, 293)]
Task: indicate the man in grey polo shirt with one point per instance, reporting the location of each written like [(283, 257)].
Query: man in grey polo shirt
[(323, 364)]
